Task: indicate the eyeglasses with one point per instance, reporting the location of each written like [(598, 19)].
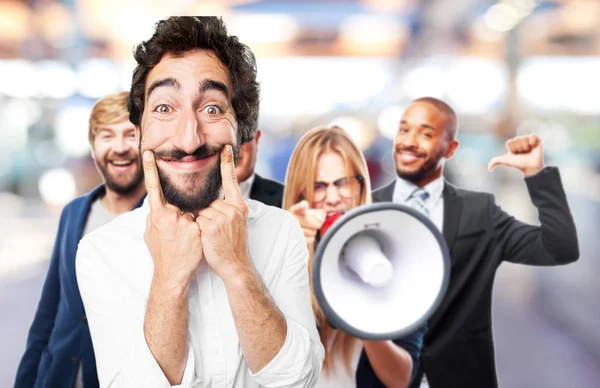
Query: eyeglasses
[(346, 187)]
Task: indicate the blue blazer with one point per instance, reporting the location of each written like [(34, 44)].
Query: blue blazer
[(59, 338)]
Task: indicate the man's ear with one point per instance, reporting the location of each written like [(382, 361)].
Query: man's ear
[(452, 147), (257, 137)]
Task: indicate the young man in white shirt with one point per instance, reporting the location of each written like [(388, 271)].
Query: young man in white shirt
[(199, 287)]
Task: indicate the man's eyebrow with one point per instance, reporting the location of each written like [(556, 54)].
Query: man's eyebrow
[(211, 84), (422, 125), (165, 82)]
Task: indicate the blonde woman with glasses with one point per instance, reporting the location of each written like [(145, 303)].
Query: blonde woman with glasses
[(327, 175)]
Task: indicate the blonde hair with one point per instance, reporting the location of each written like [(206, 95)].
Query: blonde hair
[(111, 109), (299, 185)]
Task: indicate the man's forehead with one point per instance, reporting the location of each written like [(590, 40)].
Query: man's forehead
[(124, 124), (425, 113), (190, 66)]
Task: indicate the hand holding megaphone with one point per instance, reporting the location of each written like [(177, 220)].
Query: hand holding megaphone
[(309, 219)]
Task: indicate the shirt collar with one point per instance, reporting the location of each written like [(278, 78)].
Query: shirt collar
[(246, 186), (403, 189)]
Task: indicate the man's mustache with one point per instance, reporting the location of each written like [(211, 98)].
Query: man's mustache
[(202, 152), (411, 150)]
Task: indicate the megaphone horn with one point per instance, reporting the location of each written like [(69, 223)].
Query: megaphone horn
[(380, 271)]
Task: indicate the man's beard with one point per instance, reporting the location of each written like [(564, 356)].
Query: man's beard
[(204, 194), (430, 165), (122, 188)]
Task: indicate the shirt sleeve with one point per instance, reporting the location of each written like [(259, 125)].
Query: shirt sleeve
[(299, 361), (413, 344), (555, 241), (116, 325)]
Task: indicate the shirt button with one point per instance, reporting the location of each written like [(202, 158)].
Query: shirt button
[(84, 319), (74, 360)]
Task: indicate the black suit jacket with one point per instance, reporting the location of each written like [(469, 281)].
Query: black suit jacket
[(267, 191), (458, 349)]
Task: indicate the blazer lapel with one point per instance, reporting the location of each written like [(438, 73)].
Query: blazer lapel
[(453, 204), (385, 193)]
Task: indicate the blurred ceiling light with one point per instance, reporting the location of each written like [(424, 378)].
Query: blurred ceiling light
[(71, 129), (371, 29), (56, 79), (475, 86), (425, 80), (388, 5), (502, 17), (263, 28), (15, 21), (55, 21), (57, 186), (581, 15), (539, 83), (343, 78), (294, 86), (97, 78), (388, 121), (522, 7), (372, 35), (133, 23), (16, 116), (482, 31), (18, 78), (574, 84), (362, 135), (582, 86)]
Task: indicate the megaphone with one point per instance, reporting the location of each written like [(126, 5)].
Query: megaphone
[(380, 271)]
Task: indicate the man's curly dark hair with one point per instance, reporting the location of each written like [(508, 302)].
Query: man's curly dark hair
[(179, 34)]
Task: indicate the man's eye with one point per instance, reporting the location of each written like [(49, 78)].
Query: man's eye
[(163, 109), (212, 110)]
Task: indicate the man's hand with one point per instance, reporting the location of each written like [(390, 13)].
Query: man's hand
[(310, 220), (173, 238), (223, 225), (525, 153)]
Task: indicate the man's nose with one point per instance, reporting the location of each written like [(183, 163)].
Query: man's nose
[(409, 140), (188, 137), (120, 144)]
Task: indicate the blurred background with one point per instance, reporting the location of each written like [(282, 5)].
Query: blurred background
[(508, 67)]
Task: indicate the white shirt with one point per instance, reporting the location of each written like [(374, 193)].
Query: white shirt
[(246, 186), (114, 272), (435, 203)]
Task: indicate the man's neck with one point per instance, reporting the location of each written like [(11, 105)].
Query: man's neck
[(116, 203), (430, 178)]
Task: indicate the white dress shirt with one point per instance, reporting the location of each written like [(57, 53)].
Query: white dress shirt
[(434, 204), (114, 272), (246, 186)]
